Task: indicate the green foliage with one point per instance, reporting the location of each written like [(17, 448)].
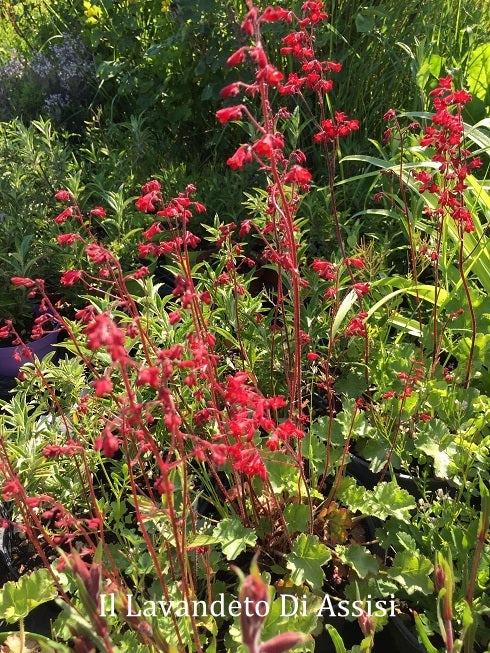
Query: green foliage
[(412, 571), (386, 500), (19, 598), (306, 559), (159, 71), (360, 560), (233, 537)]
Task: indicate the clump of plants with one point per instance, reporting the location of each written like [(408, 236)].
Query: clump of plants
[(57, 82), (217, 422)]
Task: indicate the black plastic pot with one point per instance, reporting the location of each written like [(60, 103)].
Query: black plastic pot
[(6, 385), (9, 366), (165, 278), (38, 620), (7, 569)]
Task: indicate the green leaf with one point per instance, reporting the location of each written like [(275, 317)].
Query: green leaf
[(306, 559), (406, 540), (365, 21), (423, 635), (478, 71), (389, 500), (202, 539), (336, 639), (430, 66), (292, 614), (412, 571), (282, 476), (234, 537), (481, 354), (435, 441), (375, 451), (359, 559), (17, 599), (386, 500), (297, 517), (347, 303), (424, 292), (82, 625)]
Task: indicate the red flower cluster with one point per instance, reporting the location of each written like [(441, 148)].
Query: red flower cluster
[(331, 130), (356, 326), (56, 450), (103, 331), (445, 135), (324, 269)]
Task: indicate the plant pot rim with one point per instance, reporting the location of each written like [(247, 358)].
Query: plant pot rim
[(9, 367)]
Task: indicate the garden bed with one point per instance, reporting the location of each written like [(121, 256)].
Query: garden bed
[(267, 427)]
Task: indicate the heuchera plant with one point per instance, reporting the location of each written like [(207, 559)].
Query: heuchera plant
[(176, 399)]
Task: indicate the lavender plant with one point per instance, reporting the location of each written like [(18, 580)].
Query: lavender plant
[(57, 81)]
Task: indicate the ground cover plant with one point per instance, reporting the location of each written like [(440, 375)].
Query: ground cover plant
[(240, 440)]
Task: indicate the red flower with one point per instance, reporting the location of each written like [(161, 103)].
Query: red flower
[(22, 281), (231, 90), (270, 75), (324, 269), (142, 272), (96, 253), (67, 239), (145, 203), (148, 376), (98, 212), (273, 14), (70, 277), (154, 229), (389, 395), (314, 13), (174, 317), (229, 113), (172, 421), (283, 642), (236, 58), (64, 215), (245, 228), (242, 156), (293, 84), (267, 144), (152, 186), (145, 250), (332, 129), (356, 262), (253, 591), (356, 326), (63, 196), (205, 297), (11, 488), (103, 386), (298, 175), (108, 443), (361, 289), (103, 331)]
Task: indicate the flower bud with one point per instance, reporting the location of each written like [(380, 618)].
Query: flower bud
[(254, 600)]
